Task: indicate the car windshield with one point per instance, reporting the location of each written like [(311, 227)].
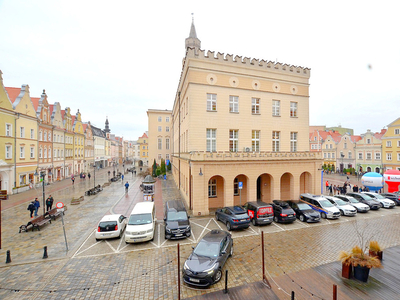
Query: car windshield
[(139, 219), (176, 216), (340, 202), (326, 203), (303, 206), (366, 197), (353, 200), (207, 249), (377, 196)]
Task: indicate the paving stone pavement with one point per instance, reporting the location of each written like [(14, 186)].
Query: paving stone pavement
[(152, 273)]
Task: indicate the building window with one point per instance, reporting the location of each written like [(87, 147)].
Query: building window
[(388, 143), (8, 129), (398, 143), (8, 152), (368, 141), (159, 119), (360, 155), (21, 152), (275, 141), (22, 132), (378, 156), (49, 137), (211, 140), (55, 153), (40, 135), (167, 129), (398, 156), (330, 146), (333, 155), (388, 156), (159, 143), (233, 140), (293, 141), (255, 105), (32, 133), (32, 153), (255, 140), (350, 155), (166, 119), (233, 104), (369, 155), (293, 109), (159, 156), (236, 187), (276, 108), (211, 102), (212, 188), (167, 143), (397, 131), (49, 153), (345, 146), (22, 180), (329, 155), (326, 146), (159, 128), (45, 136), (325, 155), (144, 154)]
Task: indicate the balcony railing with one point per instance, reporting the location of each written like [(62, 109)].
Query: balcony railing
[(242, 155)]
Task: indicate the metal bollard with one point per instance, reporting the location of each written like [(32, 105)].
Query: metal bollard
[(226, 282), (293, 297), (8, 259), (45, 252)]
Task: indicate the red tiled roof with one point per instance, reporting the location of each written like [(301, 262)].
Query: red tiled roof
[(73, 119), (62, 113), (355, 138), (51, 108), (84, 126), (13, 93), (35, 102), (379, 135), (144, 135)]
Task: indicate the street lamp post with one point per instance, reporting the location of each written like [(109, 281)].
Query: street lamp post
[(94, 175), (42, 175)]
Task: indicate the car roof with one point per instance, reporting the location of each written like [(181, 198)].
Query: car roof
[(311, 196), (215, 236), (110, 218), (236, 209), (258, 203), (176, 205), (143, 207)]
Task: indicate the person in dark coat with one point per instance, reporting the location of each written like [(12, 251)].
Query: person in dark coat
[(37, 205), (31, 208)]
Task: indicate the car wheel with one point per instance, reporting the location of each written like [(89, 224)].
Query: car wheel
[(218, 275), (253, 221), (228, 226), (341, 213), (276, 219), (323, 215), (231, 253), (216, 217), (97, 240), (302, 218)]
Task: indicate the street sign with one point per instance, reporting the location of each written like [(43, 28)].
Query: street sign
[(240, 185), (3, 195), (59, 205)]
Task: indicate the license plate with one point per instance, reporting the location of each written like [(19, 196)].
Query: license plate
[(180, 234), (290, 215), (194, 280)]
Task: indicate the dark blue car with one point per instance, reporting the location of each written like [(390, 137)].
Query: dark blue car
[(235, 217)]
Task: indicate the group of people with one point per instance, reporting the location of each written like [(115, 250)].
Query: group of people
[(33, 207), (342, 190)]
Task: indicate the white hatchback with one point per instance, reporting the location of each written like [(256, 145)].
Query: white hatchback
[(385, 202), (110, 226)]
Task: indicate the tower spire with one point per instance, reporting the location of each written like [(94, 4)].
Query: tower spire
[(192, 41), (107, 128)]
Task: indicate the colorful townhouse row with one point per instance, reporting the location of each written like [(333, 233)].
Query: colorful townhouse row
[(39, 140), (368, 152)]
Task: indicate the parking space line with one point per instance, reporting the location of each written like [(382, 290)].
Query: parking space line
[(278, 226), (77, 251), (120, 242), (216, 222), (110, 246), (303, 223), (95, 244), (204, 228)]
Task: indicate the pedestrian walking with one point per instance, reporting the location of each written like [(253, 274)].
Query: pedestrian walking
[(122, 178), (327, 185), (31, 208), (37, 205), (330, 189), (126, 187), (88, 175), (73, 180)]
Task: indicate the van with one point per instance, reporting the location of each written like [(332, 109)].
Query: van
[(176, 220), (141, 224), (259, 212), (321, 204)]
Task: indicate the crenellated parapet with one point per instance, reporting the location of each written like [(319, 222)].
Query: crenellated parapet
[(247, 61)]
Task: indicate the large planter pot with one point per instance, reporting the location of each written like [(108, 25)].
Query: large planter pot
[(361, 273), (347, 270), (378, 254)]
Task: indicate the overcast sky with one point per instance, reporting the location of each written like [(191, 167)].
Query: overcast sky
[(121, 58)]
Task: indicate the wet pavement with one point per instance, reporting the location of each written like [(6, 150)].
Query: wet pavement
[(113, 270)]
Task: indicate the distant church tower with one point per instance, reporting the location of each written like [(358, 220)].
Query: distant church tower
[(192, 41), (107, 129)]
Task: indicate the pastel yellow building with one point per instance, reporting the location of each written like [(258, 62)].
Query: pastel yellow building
[(241, 130), (69, 142), (143, 141), (7, 140), (25, 133), (58, 141), (79, 143), (391, 146), (160, 135)]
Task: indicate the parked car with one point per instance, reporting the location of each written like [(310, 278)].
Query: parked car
[(142, 223), (110, 226), (361, 207), (304, 212), (321, 204), (204, 265), (363, 198), (392, 196), (385, 202), (176, 220), (235, 217), (260, 213), (283, 213), (345, 208)]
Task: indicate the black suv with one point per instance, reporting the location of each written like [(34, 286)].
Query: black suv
[(176, 220), (259, 212), (363, 198), (282, 212)]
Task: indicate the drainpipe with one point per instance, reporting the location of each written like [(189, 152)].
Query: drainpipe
[(15, 150)]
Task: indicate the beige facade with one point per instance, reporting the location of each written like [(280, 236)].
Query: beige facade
[(391, 146), (241, 122), (58, 141), (160, 135)]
